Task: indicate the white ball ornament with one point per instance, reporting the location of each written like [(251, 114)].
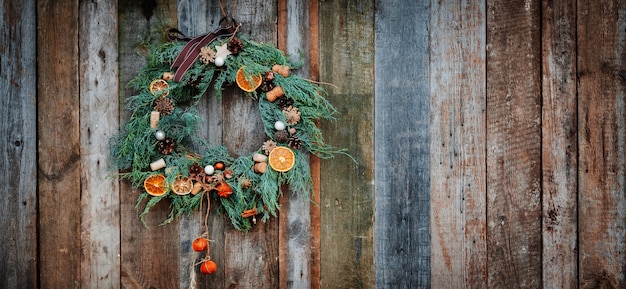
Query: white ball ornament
[(209, 170), (279, 125), (159, 134), (219, 61)]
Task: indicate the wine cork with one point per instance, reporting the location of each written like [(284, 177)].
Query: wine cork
[(157, 165), (275, 93), (197, 187), (154, 119)]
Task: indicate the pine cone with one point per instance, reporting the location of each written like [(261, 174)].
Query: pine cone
[(267, 85), (269, 76), (166, 146), (268, 146), (207, 55), (246, 183), (292, 114), (281, 136), (235, 45), (294, 142), (284, 102), (164, 105), (195, 170)]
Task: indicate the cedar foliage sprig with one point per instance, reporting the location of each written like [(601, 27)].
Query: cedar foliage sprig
[(136, 147)]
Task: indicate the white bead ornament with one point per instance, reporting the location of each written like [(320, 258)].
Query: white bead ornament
[(209, 170), (219, 61), (159, 134), (279, 125)]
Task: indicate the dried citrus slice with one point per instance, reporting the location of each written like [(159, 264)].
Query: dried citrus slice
[(159, 87), (182, 185), (281, 159), (248, 83), (155, 185)]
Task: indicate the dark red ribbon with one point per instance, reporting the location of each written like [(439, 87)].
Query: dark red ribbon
[(191, 50)]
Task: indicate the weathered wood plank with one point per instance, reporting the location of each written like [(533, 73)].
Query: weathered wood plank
[(457, 145), (602, 125), (347, 188), (59, 155), (148, 255), (99, 120), (18, 161), (251, 260), (514, 144), (196, 17), (295, 218), (559, 144)]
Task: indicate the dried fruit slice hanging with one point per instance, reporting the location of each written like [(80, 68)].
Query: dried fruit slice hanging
[(155, 185), (182, 185), (248, 83), (281, 159), (159, 87)]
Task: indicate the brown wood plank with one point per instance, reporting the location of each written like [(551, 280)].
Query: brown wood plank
[(601, 35), (559, 144), (18, 157), (251, 260), (295, 219), (148, 255), (458, 145), (347, 188), (99, 120), (514, 144), (196, 17), (59, 155)]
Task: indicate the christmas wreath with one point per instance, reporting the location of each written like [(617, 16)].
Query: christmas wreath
[(159, 152)]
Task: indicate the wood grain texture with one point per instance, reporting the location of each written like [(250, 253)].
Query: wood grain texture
[(559, 145), (196, 17), (514, 144), (18, 145), (347, 190), (99, 121), (148, 255), (251, 260), (458, 145), (295, 218), (59, 155), (601, 63)]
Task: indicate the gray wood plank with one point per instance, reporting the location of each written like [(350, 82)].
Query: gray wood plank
[(18, 146), (99, 120), (402, 110), (559, 145), (347, 189), (458, 145)]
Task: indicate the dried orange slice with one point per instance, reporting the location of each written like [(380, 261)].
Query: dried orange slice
[(281, 159), (155, 185), (248, 83), (159, 87), (182, 185)]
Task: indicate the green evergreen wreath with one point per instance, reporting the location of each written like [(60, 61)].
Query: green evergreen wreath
[(159, 151)]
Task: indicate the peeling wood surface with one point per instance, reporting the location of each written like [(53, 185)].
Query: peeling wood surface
[(18, 145)]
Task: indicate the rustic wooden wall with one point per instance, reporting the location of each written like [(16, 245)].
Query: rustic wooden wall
[(489, 137)]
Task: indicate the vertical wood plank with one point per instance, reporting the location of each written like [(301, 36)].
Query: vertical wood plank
[(458, 144), (148, 255), (514, 144), (347, 188), (99, 121), (295, 218), (196, 17), (601, 31), (59, 155), (18, 161), (559, 145), (251, 260)]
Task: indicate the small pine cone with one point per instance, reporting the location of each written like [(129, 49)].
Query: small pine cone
[(268, 146), (246, 183), (164, 105), (292, 114), (235, 45), (281, 136), (207, 55), (267, 86), (166, 146), (284, 102), (228, 174), (195, 170), (294, 142), (269, 76)]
